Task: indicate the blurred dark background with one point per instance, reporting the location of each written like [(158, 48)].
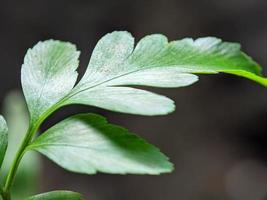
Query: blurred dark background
[(217, 136)]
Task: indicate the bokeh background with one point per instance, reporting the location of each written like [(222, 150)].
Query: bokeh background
[(217, 135)]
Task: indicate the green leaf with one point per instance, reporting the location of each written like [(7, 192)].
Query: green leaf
[(3, 139), (125, 99), (153, 62), (16, 114), (87, 143), (48, 74), (57, 195)]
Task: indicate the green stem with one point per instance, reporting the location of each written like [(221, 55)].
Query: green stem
[(12, 172), (4, 195), (26, 141)]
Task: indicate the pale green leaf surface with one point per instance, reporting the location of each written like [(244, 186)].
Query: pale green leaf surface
[(125, 99), (165, 77), (16, 114), (87, 143), (3, 139), (154, 62), (48, 74), (57, 195)]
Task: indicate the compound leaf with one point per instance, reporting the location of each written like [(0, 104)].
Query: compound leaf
[(48, 74), (87, 143), (57, 195), (3, 139), (154, 62)]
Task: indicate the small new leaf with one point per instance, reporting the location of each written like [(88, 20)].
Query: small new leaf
[(57, 195), (87, 143), (48, 74), (3, 139)]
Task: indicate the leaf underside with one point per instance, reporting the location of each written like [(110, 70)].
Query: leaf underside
[(87, 143)]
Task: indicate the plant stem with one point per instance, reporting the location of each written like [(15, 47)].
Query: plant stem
[(4, 195), (33, 128), (12, 172)]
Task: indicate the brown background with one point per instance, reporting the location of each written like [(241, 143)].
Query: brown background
[(217, 136)]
